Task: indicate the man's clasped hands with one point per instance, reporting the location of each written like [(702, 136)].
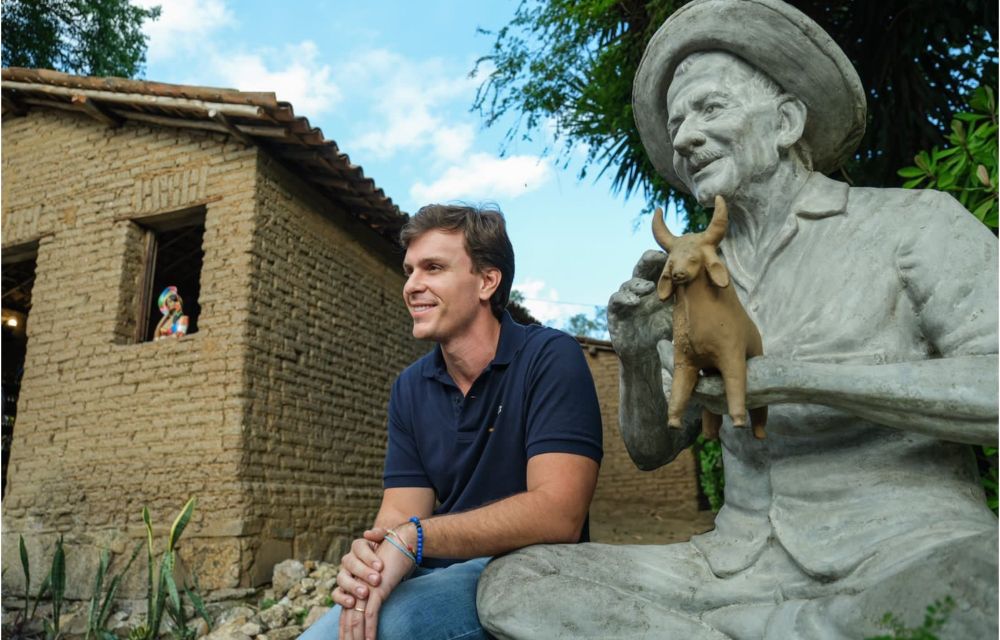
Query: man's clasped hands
[(375, 565)]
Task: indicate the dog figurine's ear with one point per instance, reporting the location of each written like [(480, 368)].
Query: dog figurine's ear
[(665, 285), (717, 271)]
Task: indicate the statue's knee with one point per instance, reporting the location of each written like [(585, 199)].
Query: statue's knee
[(502, 582)]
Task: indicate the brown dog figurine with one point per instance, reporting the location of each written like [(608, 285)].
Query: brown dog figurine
[(711, 328)]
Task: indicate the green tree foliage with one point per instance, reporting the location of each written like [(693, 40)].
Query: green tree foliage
[(595, 326), (88, 37), (571, 63), (967, 166)]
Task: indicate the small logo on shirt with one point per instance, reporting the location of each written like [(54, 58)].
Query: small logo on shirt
[(499, 409)]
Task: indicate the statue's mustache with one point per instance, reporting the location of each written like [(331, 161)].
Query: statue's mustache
[(696, 162)]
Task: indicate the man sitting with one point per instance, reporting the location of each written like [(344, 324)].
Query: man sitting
[(494, 441)]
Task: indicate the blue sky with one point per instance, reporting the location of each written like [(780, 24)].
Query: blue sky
[(389, 82)]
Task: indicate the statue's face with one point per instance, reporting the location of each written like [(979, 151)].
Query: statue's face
[(724, 134)]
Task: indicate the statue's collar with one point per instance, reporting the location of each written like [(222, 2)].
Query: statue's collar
[(820, 197)]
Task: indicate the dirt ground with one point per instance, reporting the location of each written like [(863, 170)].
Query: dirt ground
[(623, 523)]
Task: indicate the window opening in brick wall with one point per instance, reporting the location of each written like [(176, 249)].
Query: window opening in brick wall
[(173, 256), (18, 278)]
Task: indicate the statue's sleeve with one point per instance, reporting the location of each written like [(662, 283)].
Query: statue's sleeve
[(948, 264)]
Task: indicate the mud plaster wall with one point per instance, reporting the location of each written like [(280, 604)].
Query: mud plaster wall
[(328, 335), (104, 426), (272, 414)]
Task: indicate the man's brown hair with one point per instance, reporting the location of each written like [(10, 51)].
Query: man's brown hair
[(486, 241)]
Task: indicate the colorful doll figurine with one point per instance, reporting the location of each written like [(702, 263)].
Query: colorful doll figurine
[(174, 322)]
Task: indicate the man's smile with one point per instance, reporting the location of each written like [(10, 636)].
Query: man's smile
[(421, 307)]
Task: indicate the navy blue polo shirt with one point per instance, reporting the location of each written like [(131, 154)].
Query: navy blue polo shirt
[(536, 396)]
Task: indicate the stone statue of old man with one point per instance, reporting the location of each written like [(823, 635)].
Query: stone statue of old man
[(878, 311)]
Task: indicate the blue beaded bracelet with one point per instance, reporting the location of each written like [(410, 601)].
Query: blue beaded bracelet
[(420, 539)]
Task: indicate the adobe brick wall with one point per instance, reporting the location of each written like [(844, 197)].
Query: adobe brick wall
[(672, 487), (328, 335), (105, 427), (272, 414)]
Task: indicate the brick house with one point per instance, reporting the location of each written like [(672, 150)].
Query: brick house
[(272, 410)]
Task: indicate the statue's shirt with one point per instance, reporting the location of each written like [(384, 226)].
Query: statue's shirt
[(859, 276)]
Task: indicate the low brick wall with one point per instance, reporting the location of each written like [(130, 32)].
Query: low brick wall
[(673, 487)]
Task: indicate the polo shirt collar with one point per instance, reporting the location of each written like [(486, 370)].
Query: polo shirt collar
[(512, 338)]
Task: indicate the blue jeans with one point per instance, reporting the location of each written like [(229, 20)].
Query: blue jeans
[(432, 604)]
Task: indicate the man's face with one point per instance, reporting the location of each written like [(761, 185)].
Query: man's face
[(442, 291), (724, 138)]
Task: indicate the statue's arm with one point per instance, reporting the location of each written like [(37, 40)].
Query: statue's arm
[(946, 262), (951, 398), (637, 321)]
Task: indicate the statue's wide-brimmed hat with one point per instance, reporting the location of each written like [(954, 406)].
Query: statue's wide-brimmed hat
[(777, 39)]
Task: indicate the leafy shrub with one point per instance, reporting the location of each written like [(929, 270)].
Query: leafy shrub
[(53, 586), (100, 608), (162, 595), (711, 476), (967, 168)]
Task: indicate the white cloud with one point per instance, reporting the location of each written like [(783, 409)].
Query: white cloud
[(183, 25), (411, 100), (302, 80), (485, 177), (543, 303)]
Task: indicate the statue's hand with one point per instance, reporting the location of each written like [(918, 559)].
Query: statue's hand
[(637, 318)]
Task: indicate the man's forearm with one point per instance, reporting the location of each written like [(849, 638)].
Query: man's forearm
[(552, 510), (952, 398), (514, 522)]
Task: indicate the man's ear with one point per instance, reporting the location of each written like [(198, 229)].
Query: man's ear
[(792, 121), (717, 271), (491, 280)]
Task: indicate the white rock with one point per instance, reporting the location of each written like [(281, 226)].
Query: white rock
[(238, 614), (286, 575), (251, 629), (274, 617), (284, 633)]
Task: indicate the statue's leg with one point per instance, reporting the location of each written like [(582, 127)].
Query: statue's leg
[(685, 378), (964, 570), (734, 376), (598, 591)]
